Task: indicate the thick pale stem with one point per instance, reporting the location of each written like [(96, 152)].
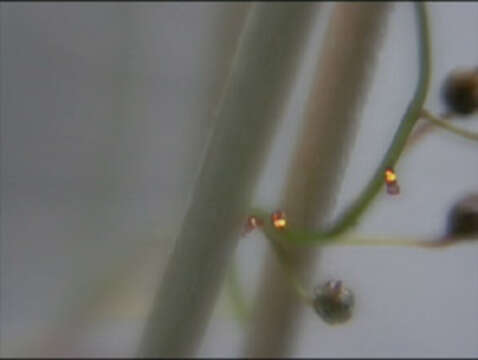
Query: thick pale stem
[(263, 72), (340, 83)]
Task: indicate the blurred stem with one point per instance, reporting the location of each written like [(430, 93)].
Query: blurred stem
[(236, 294), (262, 75), (288, 267), (363, 240), (349, 51)]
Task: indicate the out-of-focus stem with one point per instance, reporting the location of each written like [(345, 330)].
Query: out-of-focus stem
[(340, 83), (263, 73)]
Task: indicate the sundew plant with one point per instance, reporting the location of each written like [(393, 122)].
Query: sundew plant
[(332, 301), (255, 179)]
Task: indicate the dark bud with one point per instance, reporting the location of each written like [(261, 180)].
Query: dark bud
[(333, 302), (463, 217), (460, 91)]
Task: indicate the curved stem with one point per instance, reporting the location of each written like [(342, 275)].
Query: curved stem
[(342, 64), (351, 216), (359, 206), (353, 213)]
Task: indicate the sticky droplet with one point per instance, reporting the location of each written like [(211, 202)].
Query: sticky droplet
[(391, 182), (390, 176), (279, 220)]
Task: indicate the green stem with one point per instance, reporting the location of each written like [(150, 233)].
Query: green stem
[(234, 287), (435, 243), (448, 126), (288, 267), (352, 214)]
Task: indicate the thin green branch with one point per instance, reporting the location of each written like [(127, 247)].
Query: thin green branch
[(431, 243), (438, 243), (352, 214), (448, 126), (332, 236)]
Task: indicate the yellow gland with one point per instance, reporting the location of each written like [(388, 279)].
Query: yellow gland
[(390, 176), (278, 220)]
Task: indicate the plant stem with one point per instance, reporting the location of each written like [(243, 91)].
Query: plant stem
[(350, 46), (448, 126), (356, 240), (262, 75), (234, 290), (284, 258), (353, 213)]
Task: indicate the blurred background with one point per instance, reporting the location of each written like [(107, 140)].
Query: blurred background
[(105, 112)]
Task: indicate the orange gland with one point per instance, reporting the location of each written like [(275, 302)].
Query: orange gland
[(252, 223), (278, 219), (390, 176), (391, 182)]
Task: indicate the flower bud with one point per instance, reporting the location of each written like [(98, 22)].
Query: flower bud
[(460, 91), (463, 217), (333, 302)]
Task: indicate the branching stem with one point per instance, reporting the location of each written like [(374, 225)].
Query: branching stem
[(353, 213), (449, 126)]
